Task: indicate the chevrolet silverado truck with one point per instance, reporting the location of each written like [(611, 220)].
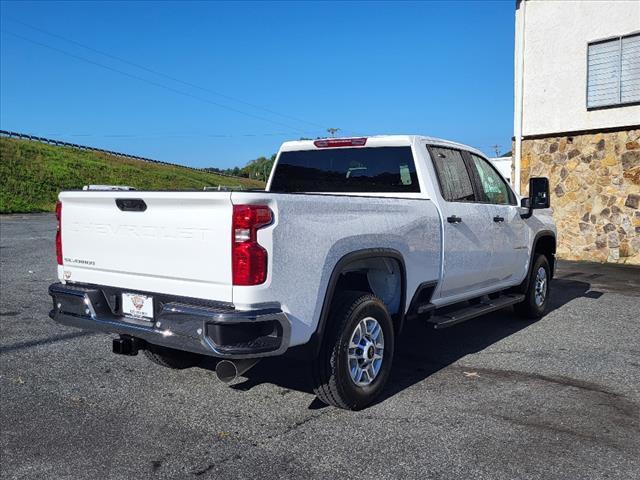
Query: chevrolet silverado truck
[(351, 238)]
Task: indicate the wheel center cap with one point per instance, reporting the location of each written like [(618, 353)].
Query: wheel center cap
[(368, 350)]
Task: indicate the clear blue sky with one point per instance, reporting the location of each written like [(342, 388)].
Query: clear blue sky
[(442, 69)]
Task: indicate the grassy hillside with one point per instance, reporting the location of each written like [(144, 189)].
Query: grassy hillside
[(32, 174)]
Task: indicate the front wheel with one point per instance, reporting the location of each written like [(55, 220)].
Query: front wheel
[(354, 362), (536, 298)]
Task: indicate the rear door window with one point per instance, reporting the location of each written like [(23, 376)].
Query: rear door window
[(453, 176), (339, 170)]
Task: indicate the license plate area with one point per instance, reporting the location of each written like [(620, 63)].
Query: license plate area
[(135, 305)]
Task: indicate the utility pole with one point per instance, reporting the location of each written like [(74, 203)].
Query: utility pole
[(496, 148), (333, 131)]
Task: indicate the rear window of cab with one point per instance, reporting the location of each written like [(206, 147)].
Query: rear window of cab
[(340, 170)]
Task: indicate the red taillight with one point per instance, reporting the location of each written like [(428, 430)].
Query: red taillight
[(248, 257), (340, 142), (59, 233)]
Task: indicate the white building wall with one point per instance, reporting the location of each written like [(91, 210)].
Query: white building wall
[(556, 34), (503, 165)]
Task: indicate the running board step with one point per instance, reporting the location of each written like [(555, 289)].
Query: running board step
[(467, 313), (424, 309)]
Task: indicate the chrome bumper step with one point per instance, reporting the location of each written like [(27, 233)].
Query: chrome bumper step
[(218, 331)]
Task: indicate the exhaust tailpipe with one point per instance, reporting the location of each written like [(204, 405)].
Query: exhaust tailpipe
[(228, 370)]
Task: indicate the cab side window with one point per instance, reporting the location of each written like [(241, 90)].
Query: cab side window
[(453, 176), (493, 185)]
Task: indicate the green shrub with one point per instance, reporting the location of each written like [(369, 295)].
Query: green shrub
[(32, 174)]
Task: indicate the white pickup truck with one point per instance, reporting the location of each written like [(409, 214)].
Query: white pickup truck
[(351, 238)]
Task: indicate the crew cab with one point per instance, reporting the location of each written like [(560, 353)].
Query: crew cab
[(351, 238)]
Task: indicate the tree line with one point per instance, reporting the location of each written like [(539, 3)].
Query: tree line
[(258, 169)]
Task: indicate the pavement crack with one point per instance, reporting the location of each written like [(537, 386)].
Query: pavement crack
[(204, 470), (561, 429), (212, 465), (299, 423), (559, 379)]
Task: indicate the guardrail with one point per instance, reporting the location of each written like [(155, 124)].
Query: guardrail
[(25, 136)]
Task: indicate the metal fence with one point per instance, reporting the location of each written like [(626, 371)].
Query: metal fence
[(25, 136)]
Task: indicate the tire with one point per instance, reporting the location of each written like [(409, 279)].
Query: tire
[(332, 369), (536, 298), (170, 358)]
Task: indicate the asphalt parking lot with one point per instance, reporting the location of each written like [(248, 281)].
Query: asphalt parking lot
[(494, 398)]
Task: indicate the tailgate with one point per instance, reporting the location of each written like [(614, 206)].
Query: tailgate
[(180, 244)]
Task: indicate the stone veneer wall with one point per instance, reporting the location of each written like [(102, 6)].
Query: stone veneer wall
[(595, 192)]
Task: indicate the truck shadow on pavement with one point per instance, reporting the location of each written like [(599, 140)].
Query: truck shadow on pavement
[(420, 351)]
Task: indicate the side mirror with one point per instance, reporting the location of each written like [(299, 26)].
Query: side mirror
[(539, 193), (525, 202)]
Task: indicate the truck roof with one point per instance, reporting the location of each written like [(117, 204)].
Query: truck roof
[(380, 141)]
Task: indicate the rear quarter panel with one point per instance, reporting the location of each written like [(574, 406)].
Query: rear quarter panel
[(311, 233)]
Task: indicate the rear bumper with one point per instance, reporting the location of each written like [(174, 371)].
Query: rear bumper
[(207, 328)]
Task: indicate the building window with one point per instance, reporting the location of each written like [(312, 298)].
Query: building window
[(613, 72)]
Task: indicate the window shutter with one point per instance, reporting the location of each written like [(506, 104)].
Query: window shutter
[(613, 72), (630, 70), (603, 73)]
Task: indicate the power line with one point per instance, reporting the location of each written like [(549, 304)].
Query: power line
[(161, 74), (152, 82), (496, 148), (166, 135)]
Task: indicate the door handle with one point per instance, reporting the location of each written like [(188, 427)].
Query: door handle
[(454, 219), (498, 219)]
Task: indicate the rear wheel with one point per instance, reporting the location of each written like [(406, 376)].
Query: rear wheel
[(170, 358), (355, 359), (537, 294)]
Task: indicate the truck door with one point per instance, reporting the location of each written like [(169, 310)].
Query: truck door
[(510, 254), (468, 227)]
